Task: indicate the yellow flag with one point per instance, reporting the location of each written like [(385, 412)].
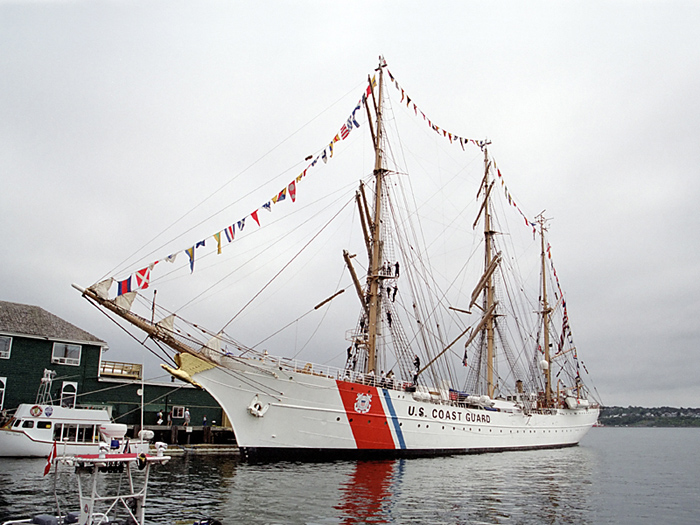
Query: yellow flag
[(217, 236)]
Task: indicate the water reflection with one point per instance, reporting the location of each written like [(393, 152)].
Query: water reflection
[(367, 496), (521, 487)]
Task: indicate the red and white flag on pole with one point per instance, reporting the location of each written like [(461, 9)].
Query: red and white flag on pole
[(50, 459)]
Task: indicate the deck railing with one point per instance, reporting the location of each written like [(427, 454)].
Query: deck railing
[(123, 370)]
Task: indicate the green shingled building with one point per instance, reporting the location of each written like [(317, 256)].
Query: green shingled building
[(33, 340)]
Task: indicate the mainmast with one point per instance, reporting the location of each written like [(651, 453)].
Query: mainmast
[(376, 254), (485, 284), (488, 238), (546, 365)]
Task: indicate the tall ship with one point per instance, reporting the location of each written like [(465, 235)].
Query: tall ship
[(431, 364)]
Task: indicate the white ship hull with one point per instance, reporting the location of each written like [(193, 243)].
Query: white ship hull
[(277, 411)]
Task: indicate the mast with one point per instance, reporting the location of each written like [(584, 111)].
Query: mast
[(488, 238), (376, 255), (545, 318)]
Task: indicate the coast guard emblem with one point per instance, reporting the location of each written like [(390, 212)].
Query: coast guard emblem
[(363, 403)]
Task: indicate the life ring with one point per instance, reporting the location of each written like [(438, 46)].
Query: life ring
[(141, 460)]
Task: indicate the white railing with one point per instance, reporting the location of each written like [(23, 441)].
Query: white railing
[(306, 367), (117, 369)]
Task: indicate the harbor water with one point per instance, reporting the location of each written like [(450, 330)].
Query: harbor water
[(616, 475)]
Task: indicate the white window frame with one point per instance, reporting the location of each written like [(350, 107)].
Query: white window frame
[(178, 412), (62, 359), (5, 354), (3, 386), (69, 395)]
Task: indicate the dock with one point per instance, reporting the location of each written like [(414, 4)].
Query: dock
[(203, 449)]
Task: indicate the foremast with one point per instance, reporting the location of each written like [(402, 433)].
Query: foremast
[(376, 245)]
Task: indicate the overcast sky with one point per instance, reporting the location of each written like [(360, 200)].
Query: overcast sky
[(116, 118)]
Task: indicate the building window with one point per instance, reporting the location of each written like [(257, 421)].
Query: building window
[(5, 346), (69, 394), (178, 412), (65, 354), (3, 382)]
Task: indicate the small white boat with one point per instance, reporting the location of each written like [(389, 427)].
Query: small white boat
[(125, 501), (34, 428)]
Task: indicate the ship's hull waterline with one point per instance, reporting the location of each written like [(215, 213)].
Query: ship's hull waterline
[(281, 413)]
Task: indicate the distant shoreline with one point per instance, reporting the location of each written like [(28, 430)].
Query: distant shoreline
[(614, 416)]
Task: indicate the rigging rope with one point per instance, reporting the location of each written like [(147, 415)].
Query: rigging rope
[(119, 265), (287, 265)]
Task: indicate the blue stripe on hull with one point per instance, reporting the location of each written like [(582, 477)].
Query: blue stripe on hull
[(394, 419)]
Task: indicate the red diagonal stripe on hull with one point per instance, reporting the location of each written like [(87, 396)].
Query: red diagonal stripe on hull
[(370, 429)]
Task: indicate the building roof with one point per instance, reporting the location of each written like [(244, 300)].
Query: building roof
[(34, 321)]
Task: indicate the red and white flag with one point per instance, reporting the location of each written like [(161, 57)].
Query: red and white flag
[(143, 277), (50, 459)]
